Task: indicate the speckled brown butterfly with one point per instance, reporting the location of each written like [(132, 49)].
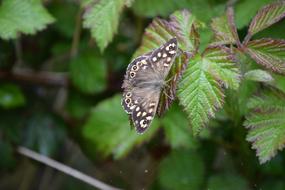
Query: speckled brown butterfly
[(144, 81)]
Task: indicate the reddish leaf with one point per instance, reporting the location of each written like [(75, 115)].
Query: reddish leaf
[(269, 53), (265, 17), (224, 29)]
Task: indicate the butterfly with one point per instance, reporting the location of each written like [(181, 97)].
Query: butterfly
[(144, 82)]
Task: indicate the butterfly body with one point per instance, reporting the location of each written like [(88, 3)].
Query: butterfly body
[(144, 82)]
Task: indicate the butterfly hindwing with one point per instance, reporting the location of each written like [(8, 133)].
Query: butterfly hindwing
[(144, 113)]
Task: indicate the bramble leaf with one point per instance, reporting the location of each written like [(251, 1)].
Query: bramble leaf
[(258, 75), (268, 52), (22, 16), (266, 124), (222, 65), (112, 136), (102, 17), (222, 30), (267, 16), (246, 10), (199, 93), (183, 24), (200, 90), (89, 72)]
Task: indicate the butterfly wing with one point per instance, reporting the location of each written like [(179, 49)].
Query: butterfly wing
[(144, 81)]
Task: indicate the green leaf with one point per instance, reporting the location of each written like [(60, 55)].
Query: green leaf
[(156, 34), (177, 133), (225, 29), (266, 124), (245, 11), (183, 23), (268, 52), (108, 131), (221, 63), (22, 16), (200, 93), (88, 72), (258, 75), (182, 170), (267, 16), (102, 18), (63, 12), (11, 96), (78, 105), (279, 82), (227, 181), (200, 89)]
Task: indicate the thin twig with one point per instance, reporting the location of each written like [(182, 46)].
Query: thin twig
[(76, 34), (65, 169)]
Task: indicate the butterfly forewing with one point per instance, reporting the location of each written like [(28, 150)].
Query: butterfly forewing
[(144, 82)]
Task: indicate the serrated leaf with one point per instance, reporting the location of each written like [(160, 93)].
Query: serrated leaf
[(266, 124), (225, 29), (222, 31), (183, 24), (227, 181), (156, 34), (200, 90), (102, 18), (268, 52), (258, 75), (267, 16), (245, 11), (112, 136), (182, 170), (279, 82), (89, 72), (200, 93), (222, 64), (177, 133), (22, 16), (11, 96)]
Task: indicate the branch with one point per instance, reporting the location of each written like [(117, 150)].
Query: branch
[(46, 78), (65, 169)]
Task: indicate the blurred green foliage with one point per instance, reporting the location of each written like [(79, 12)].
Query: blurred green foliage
[(62, 64)]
